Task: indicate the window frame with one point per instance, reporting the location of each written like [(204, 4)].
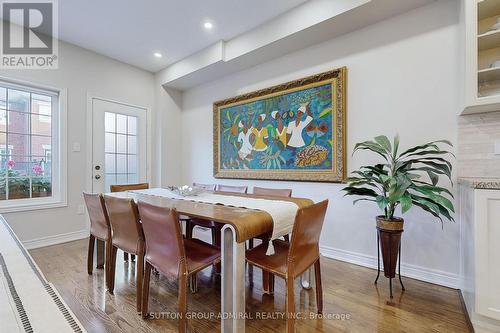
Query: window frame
[(59, 149)]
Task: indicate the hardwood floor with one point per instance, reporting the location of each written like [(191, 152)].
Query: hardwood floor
[(350, 297)]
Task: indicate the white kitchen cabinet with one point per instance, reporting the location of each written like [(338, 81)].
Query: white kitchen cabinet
[(481, 29), (479, 211), (487, 217)]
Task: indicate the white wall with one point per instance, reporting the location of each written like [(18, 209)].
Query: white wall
[(82, 72), (167, 144), (402, 78)]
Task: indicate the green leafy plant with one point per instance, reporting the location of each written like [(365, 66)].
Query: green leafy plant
[(398, 180)]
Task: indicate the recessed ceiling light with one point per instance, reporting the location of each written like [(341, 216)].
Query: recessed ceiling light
[(208, 25), (158, 54)]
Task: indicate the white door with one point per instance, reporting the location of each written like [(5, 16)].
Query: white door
[(119, 149)]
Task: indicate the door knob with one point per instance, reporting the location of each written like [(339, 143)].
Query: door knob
[(97, 177)]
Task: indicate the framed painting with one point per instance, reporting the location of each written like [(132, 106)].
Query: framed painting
[(292, 131)]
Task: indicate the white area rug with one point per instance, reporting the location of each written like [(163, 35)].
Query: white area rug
[(28, 303)]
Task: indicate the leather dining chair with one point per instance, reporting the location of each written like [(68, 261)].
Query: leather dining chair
[(231, 189), (126, 235), (270, 192), (292, 259), (171, 254), (100, 230), (128, 187)]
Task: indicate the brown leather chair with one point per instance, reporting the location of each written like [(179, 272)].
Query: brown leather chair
[(128, 187), (100, 230), (167, 251), (231, 189), (293, 259), (270, 192), (127, 235)]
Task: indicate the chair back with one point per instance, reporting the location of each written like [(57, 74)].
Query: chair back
[(163, 235), (129, 187), (273, 192), (125, 226), (304, 248), (231, 189), (206, 187), (99, 220)]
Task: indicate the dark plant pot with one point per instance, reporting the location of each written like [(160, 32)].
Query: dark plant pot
[(389, 232)]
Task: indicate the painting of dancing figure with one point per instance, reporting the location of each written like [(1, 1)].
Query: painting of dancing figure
[(293, 131)]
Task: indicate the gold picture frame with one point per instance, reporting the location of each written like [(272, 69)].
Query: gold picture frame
[(235, 116)]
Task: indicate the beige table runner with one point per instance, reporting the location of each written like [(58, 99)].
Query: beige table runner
[(282, 212)]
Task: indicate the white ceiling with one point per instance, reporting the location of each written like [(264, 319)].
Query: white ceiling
[(132, 30)]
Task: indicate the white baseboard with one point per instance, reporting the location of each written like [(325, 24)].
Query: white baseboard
[(484, 325), (55, 239), (412, 271)]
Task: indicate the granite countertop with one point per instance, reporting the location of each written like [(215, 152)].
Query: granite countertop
[(481, 183)]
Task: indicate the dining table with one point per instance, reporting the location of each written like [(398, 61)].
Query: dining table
[(240, 224)]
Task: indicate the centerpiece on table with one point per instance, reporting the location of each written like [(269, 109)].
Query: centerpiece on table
[(404, 180), (186, 190)]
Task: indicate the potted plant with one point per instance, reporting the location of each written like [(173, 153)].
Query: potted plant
[(19, 182), (405, 179)]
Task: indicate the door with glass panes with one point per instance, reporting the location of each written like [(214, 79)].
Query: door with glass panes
[(118, 144)]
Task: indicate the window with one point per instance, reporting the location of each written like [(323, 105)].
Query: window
[(29, 147), (5, 153), (120, 148)]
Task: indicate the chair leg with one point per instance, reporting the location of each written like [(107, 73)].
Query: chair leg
[(90, 255), (189, 229), (250, 244), (290, 306), (193, 283), (216, 240), (132, 257), (100, 253), (112, 269), (125, 256), (214, 236), (145, 291), (182, 303), (319, 287), (267, 282), (139, 277), (107, 263)]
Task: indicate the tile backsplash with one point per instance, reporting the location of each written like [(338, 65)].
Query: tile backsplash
[(477, 134)]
